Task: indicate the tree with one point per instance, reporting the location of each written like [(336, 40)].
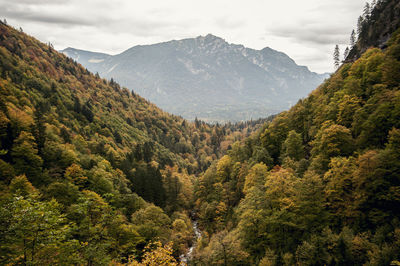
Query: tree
[(40, 128), (76, 175), (376, 182), (333, 140), (336, 57), (92, 216), (360, 22), (224, 249), (25, 157), (156, 255), (223, 169), (293, 146), (367, 11), (152, 222), (252, 222), (64, 192), (352, 39), (261, 155), (348, 106), (310, 203), (280, 188), (346, 52), (178, 189), (35, 231), (6, 171), (256, 177), (339, 189), (373, 4), (20, 186)]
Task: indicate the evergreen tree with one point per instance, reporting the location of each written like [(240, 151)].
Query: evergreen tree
[(346, 53), (367, 11), (336, 57), (352, 39), (373, 4), (360, 22)]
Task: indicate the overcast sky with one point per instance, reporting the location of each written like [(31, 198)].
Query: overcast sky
[(306, 30)]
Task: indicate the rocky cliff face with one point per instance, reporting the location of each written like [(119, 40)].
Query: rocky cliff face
[(377, 26)]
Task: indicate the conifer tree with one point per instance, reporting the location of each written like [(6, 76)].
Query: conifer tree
[(336, 57), (359, 25), (367, 11), (373, 4), (346, 53), (352, 39)]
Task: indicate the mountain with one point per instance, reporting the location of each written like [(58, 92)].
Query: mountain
[(91, 173), (206, 77)]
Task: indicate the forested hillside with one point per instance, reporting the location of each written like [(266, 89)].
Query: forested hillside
[(93, 174), (320, 185), (90, 172)]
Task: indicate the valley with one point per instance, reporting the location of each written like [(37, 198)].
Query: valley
[(94, 173)]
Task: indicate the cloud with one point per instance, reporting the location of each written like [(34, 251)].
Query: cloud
[(44, 18), (305, 30), (311, 33), (42, 2), (229, 23), (35, 12), (337, 8)]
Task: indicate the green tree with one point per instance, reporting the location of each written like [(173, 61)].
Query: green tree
[(261, 155), (6, 171), (252, 225), (332, 140), (92, 218), (339, 190), (26, 158), (151, 223), (293, 146), (35, 232), (256, 177), (21, 186)]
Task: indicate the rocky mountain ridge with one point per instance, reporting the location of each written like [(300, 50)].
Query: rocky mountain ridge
[(206, 77)]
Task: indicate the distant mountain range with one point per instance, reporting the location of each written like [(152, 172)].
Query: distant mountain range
[(206, 77)]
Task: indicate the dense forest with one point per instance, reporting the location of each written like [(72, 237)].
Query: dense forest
[(102, 172), (93, 174), (320, 184)]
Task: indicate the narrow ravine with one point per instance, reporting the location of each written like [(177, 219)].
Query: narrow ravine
[(185, 258)]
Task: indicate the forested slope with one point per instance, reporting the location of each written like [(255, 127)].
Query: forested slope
[(91, 173), (86, 165), (321, 184)]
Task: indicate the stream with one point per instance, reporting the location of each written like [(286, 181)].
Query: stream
[(185, 258)]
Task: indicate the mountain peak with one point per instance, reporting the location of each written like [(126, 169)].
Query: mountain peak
[(208, 77), (209, 38)]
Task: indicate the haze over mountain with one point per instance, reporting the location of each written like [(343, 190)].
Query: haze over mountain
[(206, 77)]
